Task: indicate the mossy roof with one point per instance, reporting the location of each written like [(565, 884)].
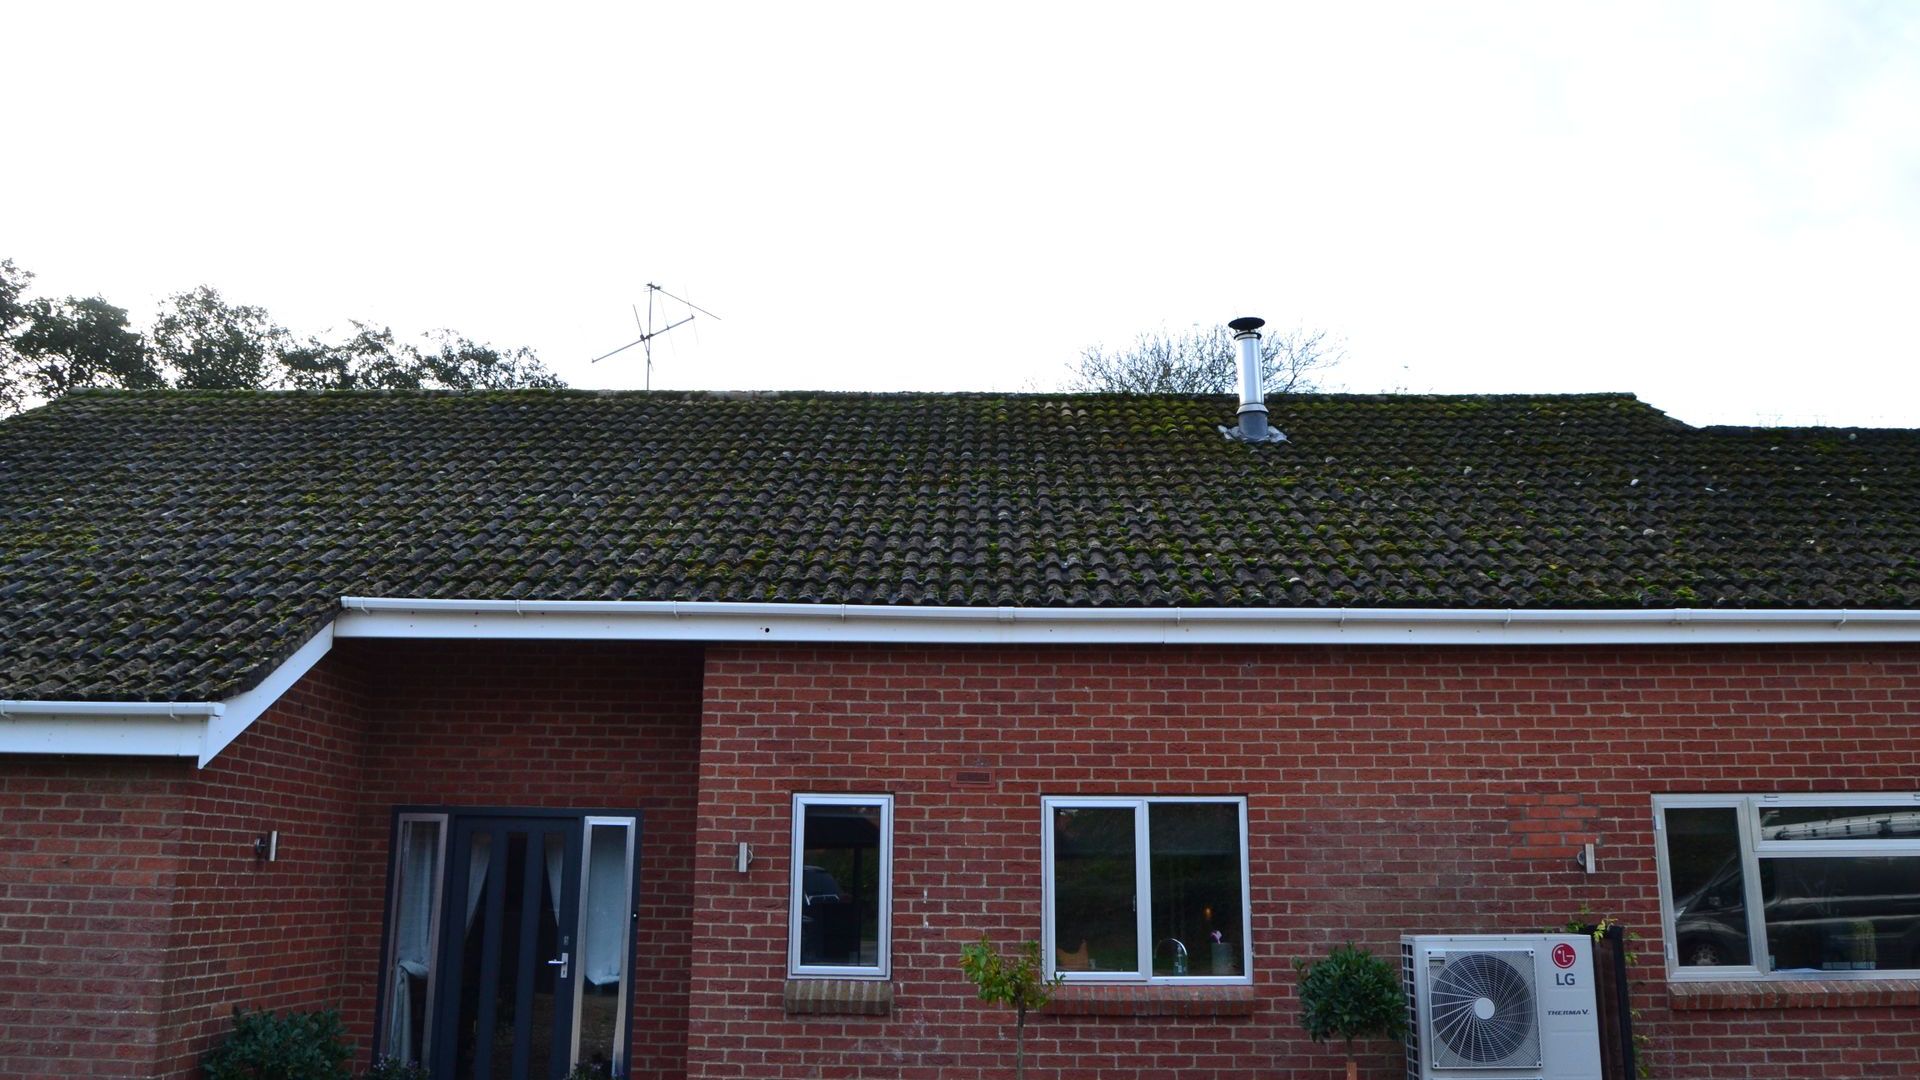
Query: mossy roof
[(178, 545)]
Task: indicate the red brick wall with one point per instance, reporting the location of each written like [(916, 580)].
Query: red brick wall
[(134, 916), (268, 935), (1390, 790), (87, 861), (573, 725)]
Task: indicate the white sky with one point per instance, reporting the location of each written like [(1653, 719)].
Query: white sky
[(1715, 206)]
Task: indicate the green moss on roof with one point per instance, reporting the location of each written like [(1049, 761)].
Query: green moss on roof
[(175, 545)]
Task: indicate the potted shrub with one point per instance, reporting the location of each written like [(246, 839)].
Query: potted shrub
[(1015, 982), (1351, 994)]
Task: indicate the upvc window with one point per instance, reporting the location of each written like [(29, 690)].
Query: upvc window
[(1790, 886), (841, 903), (1146, 889)]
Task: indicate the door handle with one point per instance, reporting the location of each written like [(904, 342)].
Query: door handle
[(560, 963)]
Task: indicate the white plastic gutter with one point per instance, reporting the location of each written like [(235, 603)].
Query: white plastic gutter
[(399, 617), (195, 729), (201, 729)]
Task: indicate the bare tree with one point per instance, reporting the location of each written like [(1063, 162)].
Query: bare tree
[(1204, 360)]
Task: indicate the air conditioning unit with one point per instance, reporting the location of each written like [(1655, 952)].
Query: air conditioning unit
[(1497, 1007)]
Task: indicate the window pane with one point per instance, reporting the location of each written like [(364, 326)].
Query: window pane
[(603, 946), (1709, 886), (416, 881), (840, 885), (1093, 890), (1194, 852), (1839, 822), (1842, 914)]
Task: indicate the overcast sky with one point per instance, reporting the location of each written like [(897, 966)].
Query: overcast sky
[(1716, 207)]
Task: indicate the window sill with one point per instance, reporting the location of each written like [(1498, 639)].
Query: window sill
[(1792, 994), (838, 997), (1093, 999)]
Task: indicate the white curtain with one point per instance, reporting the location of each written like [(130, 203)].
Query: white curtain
[(477, 863), (555, 849), (604, 938), (413, 920)]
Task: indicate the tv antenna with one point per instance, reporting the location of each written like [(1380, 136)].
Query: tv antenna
[(648, 333)]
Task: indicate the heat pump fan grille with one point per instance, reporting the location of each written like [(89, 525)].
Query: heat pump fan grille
[(1483, 1011)]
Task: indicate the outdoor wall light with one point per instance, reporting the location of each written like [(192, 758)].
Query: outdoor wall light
[(267, 848), (743, 858), (1585, 859)]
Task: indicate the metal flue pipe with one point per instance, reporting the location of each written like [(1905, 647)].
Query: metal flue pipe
[(1253, 398)]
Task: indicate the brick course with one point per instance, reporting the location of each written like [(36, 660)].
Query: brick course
[(87, 865), (574, 726), (134, 916), (1389, 790)]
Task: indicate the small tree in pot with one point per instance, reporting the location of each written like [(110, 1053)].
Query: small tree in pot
[(1016, 982), (1351, 994)]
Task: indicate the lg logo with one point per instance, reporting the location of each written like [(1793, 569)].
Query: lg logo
[(1563, 958)]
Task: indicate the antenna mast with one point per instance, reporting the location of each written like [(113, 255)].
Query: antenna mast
[(648, 333)]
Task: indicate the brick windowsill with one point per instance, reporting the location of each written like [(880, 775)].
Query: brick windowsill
[(1793, 994), (838, 997), (1083, 999)]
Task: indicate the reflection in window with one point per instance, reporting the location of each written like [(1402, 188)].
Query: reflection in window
[(1842, 914), (1195, 852), (1709, 886), (1093, 869), (1839, 823), (606, 914), (1150, 887), (1819, 885), (840, 884)]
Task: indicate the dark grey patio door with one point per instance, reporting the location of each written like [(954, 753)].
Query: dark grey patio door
[(509, 946)]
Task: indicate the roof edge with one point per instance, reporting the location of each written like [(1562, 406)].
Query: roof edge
[(405, 617), (201, 729), (179, 729)]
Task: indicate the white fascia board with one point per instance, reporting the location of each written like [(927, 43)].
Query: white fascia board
[(195, 729), (244, 708), (43, 727), (589, 620)]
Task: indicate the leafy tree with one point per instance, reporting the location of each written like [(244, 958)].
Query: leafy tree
[(1014, 981), (1205, 360), (13, 287), (201, 342), (209, 344), (76, 344), (13, 312), (1351, 994), (459, 363), (368, 360), (372, 359)]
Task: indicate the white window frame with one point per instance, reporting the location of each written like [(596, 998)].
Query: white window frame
[(796, 889), (1747, 808), (1143, 883)]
